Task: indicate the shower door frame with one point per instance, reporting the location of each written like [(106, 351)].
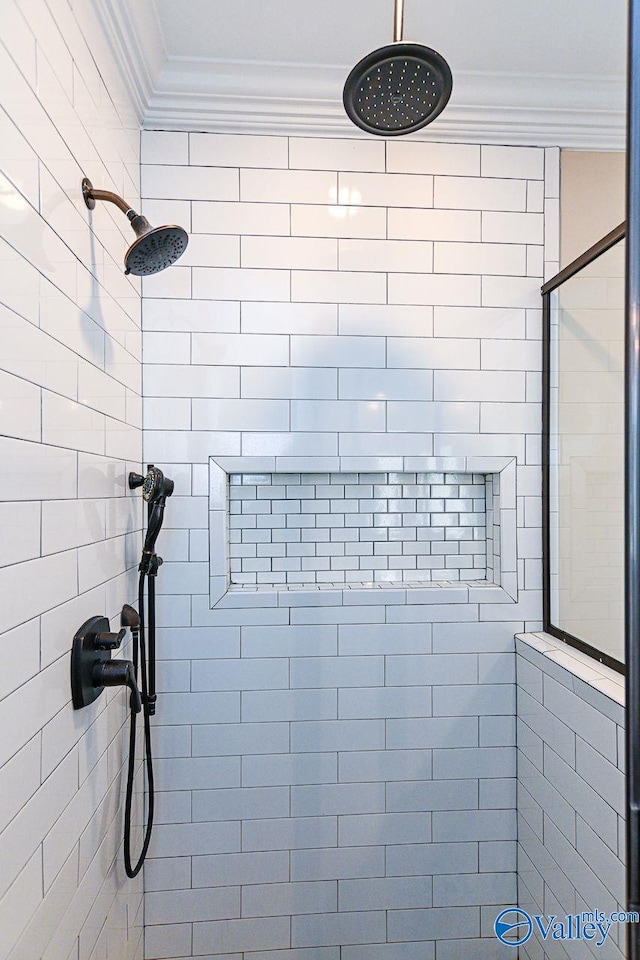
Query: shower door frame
[(574, 268), (632, 480)]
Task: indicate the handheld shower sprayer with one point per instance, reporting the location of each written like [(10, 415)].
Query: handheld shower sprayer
[(155, 490), (154, 486), (155, 248)]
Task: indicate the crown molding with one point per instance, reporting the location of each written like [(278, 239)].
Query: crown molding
[(282, 98), (134, 36), (232, 96)]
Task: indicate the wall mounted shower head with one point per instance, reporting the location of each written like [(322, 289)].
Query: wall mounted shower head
[(155, 248)]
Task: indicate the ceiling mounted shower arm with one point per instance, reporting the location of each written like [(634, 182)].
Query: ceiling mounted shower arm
[(398, 21), (90, 195)]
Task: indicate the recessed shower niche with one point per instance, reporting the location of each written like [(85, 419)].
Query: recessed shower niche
[(292, 527)]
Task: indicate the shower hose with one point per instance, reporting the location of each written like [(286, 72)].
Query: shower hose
[(145, 661)]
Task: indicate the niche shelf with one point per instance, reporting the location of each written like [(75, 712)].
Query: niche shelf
[(314, 530)]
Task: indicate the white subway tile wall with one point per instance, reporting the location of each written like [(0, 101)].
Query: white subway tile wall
[(571, 788), (337, 772), (70, 425)]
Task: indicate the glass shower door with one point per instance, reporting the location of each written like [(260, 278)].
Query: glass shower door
[(585, 448), (586, 455)]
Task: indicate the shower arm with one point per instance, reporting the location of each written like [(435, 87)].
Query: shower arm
[(90, 195), (398, 21)]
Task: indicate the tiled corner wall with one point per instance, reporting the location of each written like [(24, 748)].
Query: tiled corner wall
[(70, 428), (571, 792), (336, 767)]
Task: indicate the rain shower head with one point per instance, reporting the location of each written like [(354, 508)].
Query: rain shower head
[(155, 247), (398, 88)]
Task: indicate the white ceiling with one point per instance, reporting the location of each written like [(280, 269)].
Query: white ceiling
[(528, 36), (537, 71)]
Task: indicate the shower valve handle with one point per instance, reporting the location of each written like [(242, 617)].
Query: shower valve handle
[(118, 673), (92, 668), (110, 641)]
